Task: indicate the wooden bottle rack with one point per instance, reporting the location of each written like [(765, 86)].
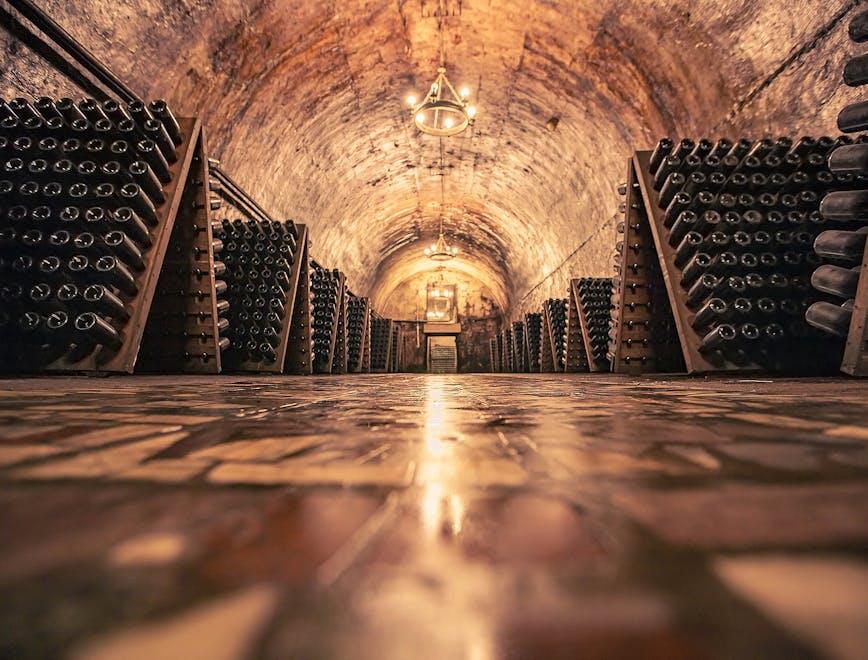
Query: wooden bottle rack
[(855, 360), (363, 362), (547, 359), (381, 345), (533, 332), (640, 296), (340, 357), (366, 346), (335, 361), (298, 357), (551, 346), (104, 359), (182, 333), (595, 362), (799, 351), (292, 354), (395, 357), (498, 350), (395, 360), (577, 348), (518, 343)]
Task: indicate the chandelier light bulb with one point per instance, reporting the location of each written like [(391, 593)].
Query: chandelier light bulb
[(448, 123), (411, 100), (465, 92), (471, 111), (420, 117)]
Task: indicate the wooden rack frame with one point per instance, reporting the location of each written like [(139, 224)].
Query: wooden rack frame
[(298, 358), (518, 361), (337, 358), (695, 361), (532, 338), (103, 359), (396, 348), (549, 343), (498, 339), (594, 364), (547, 355), (363, 364), (182, 333), (366, 348), (381, 333), (578, 349), (855, 360), (636, 349), (293, 350), (340, 357)]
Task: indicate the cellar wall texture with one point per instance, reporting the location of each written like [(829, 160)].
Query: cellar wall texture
[(304, 104), (801, 94)]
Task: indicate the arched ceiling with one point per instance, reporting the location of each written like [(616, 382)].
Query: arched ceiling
[(304, 103)]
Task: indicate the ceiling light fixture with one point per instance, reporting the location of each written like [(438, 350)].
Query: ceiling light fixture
[(443, 112), (441, 250)]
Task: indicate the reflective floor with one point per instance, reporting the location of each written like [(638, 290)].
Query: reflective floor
[(413, 516)]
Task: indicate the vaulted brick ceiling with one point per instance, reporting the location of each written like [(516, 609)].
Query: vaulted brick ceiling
[(304, 103)]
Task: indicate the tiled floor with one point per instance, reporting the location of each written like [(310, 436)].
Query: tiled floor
[(413, 516)]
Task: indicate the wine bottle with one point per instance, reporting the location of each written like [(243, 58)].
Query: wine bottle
[(105, 302), (850, 205), (833, 319), (837, 281), (858, 28), (661, 151), (94, 329), (844, 245), (718, 338)]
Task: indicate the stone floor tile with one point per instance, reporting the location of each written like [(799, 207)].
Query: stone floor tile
[(821, 599)]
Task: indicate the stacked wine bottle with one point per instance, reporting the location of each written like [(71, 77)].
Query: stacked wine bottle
[(575, 355), (340, 361), (380, 340), (533, 333), (556, 315), (843, 246), (739, 220), (82, 198), (395, 363), (595, 306), (325, 288), (493, 357), (518, 358), (259, 257), (358, 317)]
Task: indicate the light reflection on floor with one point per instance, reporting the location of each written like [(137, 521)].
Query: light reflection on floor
[(449, 612)]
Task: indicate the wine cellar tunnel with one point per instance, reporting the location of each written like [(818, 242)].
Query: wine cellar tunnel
[(473, 329), (304, 104)]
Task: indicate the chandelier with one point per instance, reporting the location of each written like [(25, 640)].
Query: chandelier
[(441, 250), (443, 112)]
